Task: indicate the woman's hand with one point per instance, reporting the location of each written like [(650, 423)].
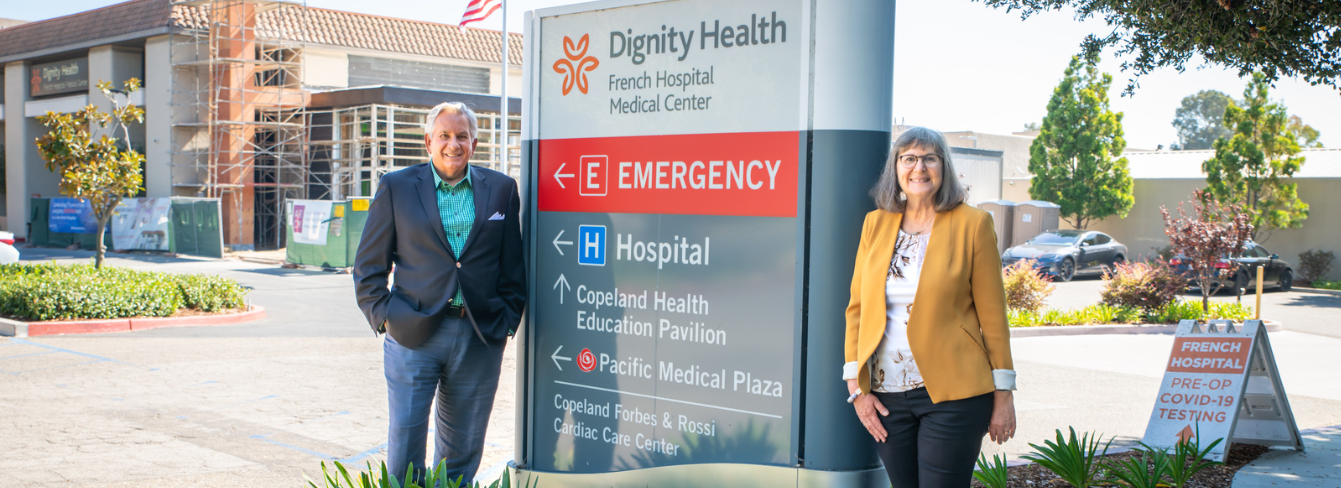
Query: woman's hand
[(1002, 427), (867, 405)]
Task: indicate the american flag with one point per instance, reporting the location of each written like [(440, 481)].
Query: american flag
[(478, 10)]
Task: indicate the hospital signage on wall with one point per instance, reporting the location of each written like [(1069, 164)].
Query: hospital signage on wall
[(667, 194), (1221, 382)]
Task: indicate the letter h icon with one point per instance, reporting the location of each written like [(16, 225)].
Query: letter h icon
[(592, 243)]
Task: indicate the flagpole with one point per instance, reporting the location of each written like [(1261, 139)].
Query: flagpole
[(503, 101)]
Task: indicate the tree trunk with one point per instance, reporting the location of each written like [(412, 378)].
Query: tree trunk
[(100, 249)]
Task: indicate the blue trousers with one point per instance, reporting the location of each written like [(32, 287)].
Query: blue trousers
[(459, 370)]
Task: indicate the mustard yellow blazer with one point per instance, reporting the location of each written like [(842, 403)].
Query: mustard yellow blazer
[(957, 329)]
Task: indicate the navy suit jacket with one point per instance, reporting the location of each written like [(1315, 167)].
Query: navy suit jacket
[(404, 230)]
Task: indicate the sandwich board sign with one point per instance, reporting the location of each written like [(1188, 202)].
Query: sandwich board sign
[(1221, 382)]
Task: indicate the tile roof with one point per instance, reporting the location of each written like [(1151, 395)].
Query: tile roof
[(110, 21), (310, 25), (1318, 163)]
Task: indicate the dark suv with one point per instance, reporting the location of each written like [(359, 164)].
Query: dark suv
[(1254, 255)]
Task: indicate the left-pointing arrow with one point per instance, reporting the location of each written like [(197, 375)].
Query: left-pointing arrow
[(560, 174), (556, 357), (557, 242)]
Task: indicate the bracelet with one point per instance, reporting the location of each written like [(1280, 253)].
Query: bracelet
[(854, 396)]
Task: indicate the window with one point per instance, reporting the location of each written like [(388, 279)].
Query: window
[(1090, 241), (1102, 239)]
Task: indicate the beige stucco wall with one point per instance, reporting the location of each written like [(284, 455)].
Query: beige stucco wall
[(326, 69), (1143, 229)]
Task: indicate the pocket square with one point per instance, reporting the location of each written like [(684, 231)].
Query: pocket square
[(496, 216)]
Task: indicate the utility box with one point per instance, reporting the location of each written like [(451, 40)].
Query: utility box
[(1003, 218), (695, 177), (1034, 217)]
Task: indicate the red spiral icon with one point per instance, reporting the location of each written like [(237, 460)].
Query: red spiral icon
[(586, 361)]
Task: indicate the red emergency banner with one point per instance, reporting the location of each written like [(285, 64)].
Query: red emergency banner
[(745, 174)]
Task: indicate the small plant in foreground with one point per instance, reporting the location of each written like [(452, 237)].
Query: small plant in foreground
[(1071, 459), (1026, 287), (994, 475), (379, 478), (1188, 458), (1144, 470)]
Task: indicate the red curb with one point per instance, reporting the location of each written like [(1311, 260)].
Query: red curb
[(257, 312), (77, 327)]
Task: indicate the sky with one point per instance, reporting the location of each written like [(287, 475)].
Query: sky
[(958, 65)]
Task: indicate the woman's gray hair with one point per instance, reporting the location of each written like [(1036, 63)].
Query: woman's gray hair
[(888, 194), (451, 108)]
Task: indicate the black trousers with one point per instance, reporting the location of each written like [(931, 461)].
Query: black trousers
[(932, 444)]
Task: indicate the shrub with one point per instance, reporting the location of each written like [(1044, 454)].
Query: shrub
[(210, 293), (1327, 285), (1147, 286), (1314, 264), (1026, 287), (52, 292)]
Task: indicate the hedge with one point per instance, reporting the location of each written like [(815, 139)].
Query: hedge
[(37, 292)]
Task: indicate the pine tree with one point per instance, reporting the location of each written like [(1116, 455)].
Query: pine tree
[(1076, 159), (1252, 167)]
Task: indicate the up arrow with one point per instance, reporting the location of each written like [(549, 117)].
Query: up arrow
[(557, 242), (556, 357), (560, 174), (562, 281), (1185, 434)]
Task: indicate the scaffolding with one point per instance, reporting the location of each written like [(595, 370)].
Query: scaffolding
[(351, 148), (238, 113)]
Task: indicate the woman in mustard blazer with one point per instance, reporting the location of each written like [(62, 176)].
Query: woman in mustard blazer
[(928, 346)]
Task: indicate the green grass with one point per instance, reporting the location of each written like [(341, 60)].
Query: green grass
[(1327, 285)]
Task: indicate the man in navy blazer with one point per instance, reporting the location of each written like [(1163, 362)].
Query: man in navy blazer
[(452, 235)]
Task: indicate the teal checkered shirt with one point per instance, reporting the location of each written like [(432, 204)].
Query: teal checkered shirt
[(456, 208)]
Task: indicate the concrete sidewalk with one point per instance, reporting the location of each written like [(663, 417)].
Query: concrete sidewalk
[(1318, 466)]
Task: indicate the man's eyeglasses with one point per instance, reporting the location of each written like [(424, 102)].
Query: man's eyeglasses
[(909, 160)]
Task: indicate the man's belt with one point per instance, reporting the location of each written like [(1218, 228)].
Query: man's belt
[(457, 311)]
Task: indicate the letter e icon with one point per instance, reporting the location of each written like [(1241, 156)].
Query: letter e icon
[(592, 176)]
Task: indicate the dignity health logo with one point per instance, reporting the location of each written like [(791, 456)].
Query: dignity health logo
[(576, 65)]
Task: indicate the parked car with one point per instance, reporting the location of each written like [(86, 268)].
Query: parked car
[(8, 254), (1063, 253), (1277, 272)]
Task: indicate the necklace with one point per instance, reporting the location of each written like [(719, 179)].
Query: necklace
[(922, 227)]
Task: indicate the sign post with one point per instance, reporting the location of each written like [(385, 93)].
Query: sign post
[(1221, 382), (696, 177)]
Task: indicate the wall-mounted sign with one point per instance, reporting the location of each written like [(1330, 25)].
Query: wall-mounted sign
[(59, 77)]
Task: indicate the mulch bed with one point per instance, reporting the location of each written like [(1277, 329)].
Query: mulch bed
[(1221, 476)]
